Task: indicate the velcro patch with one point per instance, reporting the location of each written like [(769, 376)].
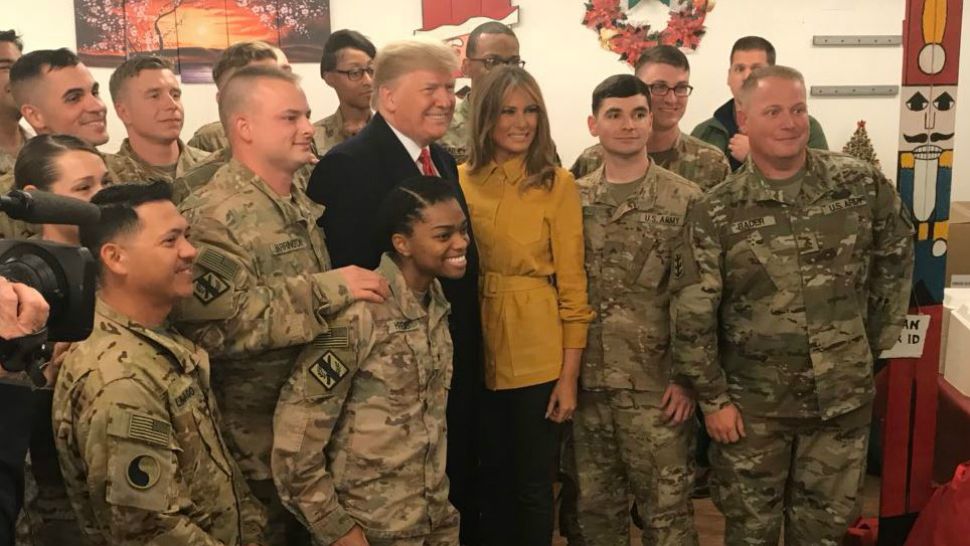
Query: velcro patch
[(664, 219), (218, 263), (337, 338), (148, 429), (143, 472), (183, 397), (753, 223), (328, 370), (398, 326), (209, 286), (843, 204), (291, 245)]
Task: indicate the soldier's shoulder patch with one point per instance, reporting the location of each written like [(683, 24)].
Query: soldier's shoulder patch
[(143, 471), (329, 369), (752, 223), (218, 263), (208, 286), (135, 425), (337, 337)]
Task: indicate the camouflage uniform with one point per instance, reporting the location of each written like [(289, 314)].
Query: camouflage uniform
[(360, 426), (455, 140), (199, 175), (262, 289), (780, 301), (10, 228), (126, 166), (328, 132), (690, 158), (137, 437), (211, 137), (623, 444), (7, 161)]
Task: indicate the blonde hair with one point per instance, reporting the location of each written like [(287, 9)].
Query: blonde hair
[(239, 56), (487, 99), (764, 72), (399, 58), (240, 85)]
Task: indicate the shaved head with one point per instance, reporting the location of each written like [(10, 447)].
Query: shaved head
[(239, 89)]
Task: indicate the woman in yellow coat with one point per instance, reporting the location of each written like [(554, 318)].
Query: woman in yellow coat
[(527, 220)]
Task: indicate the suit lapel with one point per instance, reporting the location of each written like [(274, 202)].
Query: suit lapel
[(396, 161)]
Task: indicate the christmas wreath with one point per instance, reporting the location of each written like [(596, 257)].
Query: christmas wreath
[(618, 34)]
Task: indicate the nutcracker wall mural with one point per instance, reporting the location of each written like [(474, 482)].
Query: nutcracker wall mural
[(192, 33), (928, 96)]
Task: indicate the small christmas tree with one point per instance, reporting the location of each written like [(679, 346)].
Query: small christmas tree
[(860, 145)]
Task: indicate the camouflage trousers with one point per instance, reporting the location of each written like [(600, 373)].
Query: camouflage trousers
[(445, 535), (623, 447), (806, 471)]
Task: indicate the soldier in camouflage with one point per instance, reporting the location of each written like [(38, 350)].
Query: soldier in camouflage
[(12, 135), (666, 71), (359, 447), (136, 425), (790, 278), (212, 137), (148, 100), (56, 94), (490, 44), (263, 282), (347, 67), (634, 424)]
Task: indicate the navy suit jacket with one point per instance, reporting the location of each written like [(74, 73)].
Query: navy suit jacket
[(351, 181)]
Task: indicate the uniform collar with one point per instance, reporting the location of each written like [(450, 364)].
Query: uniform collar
[(404, 297), (294, 208), (181, 164), (820, 179), (189, 355), (642, 199)]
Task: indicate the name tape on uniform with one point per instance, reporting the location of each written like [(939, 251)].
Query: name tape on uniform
[(911, 340), (753, 223)]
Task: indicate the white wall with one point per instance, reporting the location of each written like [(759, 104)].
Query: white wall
[(566, 59)]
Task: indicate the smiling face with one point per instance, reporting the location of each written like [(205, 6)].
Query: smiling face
[(667, 109), (68, 101), (8, 55), (276, 123), (150, 105), (774, 115), (420, 104), (80, 174), (623, 125), (928, 120), (515, 128), (438, 243)]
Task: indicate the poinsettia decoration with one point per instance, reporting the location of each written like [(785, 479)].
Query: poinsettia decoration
[(684, 28)]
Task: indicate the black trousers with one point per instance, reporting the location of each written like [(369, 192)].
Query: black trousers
[(518, 466), (16, 420)]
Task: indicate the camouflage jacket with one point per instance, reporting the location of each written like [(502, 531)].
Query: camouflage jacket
[(780, 306), (691, 158), (328, 132), (7, 160), (211, 137), (199, 175), (455, 140), (628, 265), (137, 435), (263, 286), (126, 166), (360, 426)]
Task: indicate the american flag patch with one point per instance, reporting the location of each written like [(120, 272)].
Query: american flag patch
[(148, 429), (336, 338)]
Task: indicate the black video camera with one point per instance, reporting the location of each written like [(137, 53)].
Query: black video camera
[(64, 275)]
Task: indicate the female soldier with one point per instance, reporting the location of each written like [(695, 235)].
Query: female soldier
[(528, 226), (359, 431)]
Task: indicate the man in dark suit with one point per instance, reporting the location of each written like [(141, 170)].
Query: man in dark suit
[(415, 99)]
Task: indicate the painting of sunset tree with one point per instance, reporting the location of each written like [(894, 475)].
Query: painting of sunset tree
[(192, 33)]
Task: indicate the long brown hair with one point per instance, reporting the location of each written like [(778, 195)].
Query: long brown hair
[(487, 98)]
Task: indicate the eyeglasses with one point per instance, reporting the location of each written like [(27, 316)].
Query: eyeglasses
[(492, 62), (661, 89), (355, 74)]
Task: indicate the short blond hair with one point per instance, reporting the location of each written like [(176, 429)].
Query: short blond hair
[(241, 84), (764, 72), (238, 56), (399, 58)]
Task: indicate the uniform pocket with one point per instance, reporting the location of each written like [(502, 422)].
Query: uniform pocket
[(650, 269)]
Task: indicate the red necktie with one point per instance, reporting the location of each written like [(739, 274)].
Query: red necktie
[(427, 167)]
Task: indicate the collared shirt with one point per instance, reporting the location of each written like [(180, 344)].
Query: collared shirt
[(360, 428), (413, 148), (127, 166), (329, 131), (527, 239)]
